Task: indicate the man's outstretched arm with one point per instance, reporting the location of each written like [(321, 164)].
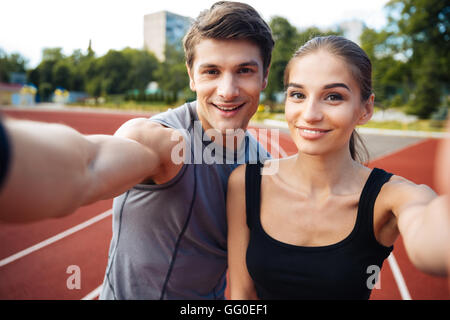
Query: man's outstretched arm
[(54, 169)]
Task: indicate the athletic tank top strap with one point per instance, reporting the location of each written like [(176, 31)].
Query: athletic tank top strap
[(253, 192), (378, 177), (5, 153)]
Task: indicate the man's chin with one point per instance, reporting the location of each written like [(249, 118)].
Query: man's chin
[(231, 130)]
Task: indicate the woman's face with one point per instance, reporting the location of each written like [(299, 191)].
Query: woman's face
[(323, 103)]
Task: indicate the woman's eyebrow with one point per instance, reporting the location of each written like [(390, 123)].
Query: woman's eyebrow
[(337, 85), (295, 85)]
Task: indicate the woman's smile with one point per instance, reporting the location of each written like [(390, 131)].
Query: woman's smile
[(311, 133)]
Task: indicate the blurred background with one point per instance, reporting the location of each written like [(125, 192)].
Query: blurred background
[(128, 54)]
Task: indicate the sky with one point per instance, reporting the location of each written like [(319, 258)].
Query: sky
[(28, 26)]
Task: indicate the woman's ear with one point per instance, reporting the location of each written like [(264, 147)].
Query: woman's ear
[(367, 113)]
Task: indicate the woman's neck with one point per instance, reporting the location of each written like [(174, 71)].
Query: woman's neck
[(324, 175)]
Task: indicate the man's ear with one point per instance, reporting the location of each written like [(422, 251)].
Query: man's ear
[(368, 110), (266, 78), (191, 78)]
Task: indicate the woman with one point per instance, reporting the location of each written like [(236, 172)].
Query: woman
[(324, 223)]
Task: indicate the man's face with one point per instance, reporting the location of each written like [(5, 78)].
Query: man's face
[(228, 77)]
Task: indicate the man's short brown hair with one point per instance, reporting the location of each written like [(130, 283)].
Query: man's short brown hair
[(227, 20)]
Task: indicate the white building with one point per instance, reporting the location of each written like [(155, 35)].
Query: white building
[(163, 28)]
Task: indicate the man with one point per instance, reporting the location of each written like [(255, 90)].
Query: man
[(170, 233), (169, 230)]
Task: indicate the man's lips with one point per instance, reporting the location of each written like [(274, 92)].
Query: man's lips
[(228, 107)]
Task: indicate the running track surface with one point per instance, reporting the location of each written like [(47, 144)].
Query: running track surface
[(34, 258)]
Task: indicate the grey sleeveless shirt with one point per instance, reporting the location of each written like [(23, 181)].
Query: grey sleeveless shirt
[(170, 240)]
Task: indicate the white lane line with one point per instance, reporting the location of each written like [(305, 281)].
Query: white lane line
[(399, 278), (55, 238), (93, 294), (276, 146)]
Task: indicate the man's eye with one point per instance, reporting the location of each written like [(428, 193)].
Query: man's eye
[(245, 70), (211, 72)]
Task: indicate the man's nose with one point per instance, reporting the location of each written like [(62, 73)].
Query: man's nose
[(228, 87)]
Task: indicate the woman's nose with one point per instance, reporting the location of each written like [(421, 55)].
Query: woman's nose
[(312, 112)]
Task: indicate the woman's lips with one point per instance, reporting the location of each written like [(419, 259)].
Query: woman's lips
[(312, 133)]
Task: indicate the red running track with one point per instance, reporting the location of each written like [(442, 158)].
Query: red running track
[(42, 274)]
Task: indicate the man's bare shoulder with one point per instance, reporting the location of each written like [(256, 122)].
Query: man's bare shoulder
[(149, 133), (139, 128), (159, 139)]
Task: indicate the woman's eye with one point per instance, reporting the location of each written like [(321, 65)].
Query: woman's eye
[(334, 97), (297, 95)]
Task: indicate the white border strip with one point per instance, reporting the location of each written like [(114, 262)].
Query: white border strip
[(403, 133), (94, 294), (55, 238), (399, 278), (365, 130)]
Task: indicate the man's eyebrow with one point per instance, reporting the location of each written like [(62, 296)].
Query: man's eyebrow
[(250, 63), (207, 65), (337, 85)]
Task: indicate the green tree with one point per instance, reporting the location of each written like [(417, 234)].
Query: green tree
[(391, 76), (286, 40), (172, 75), (142, 67), (62, 75), (112, 69), (52, 54), (10, 63), (421, 30)]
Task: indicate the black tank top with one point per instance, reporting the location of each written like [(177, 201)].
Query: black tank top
[(5, 154), (344, 270)]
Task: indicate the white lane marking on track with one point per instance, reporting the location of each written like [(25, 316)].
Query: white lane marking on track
[(275, 146), (95, 293), (55, 238), (399, 278)]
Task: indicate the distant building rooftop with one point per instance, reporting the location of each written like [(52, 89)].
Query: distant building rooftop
[(164, 27)]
